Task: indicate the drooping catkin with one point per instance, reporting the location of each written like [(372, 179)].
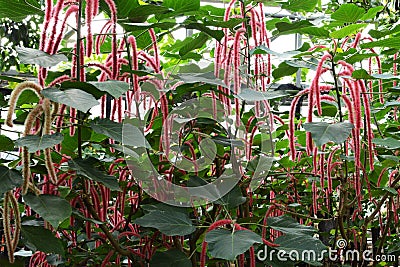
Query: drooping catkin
[(48, 118), (26, 171), (15, 95), (10, 209)]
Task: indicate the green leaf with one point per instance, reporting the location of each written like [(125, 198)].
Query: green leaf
[(389, 142), (305, 245), (35, 142), (252, 95), (35, 56), (227, 245), (6, 144), (208, 78), (233, 199), (11, 78), (300, 5), (323, 132), (147, 10), (314, 31), (107, 127), (371, 13), (182, 5), (39, 239), (51, 208), (292, 27), (288, 225), (263, 50), (17, 10), (84, 86), (393, 42), (297, 237), (71, 97), (361, 74), (9, 179), (114, 88), (126, 7), (391, 190), (170, 223), (132, 136), (170, 258), (231, 23), (195, 43), (348, 13), (359, 57), (283, 70), (216, 34), (87, 168), (347, 30)]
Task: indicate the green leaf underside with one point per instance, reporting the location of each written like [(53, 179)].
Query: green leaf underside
[(74, 98), (107, 127), (40, 239), (86, 168), (389, 142), (170, 223), (114, 88), (51, 208), (288, 225), (323, 132), (34, 56), (35, 143), (227, 245), (251, 95)]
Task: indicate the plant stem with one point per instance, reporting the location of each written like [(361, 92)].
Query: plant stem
[(104, 228)]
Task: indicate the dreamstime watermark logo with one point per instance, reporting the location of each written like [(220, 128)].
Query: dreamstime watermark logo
[(136, 151), (340, 254)]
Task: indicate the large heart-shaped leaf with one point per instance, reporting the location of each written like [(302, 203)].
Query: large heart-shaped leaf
[(114, 88), (87, 168), (17, 10), (51, 208), (323, 132), (72, 97), (170, 223), (9, 179), (107, 127), (227, 245), (289, 225), (348, 13), (39, 239), (35, 142), (34, 56), (170, 258), (389, 142), (297, 240), (309, 248)]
